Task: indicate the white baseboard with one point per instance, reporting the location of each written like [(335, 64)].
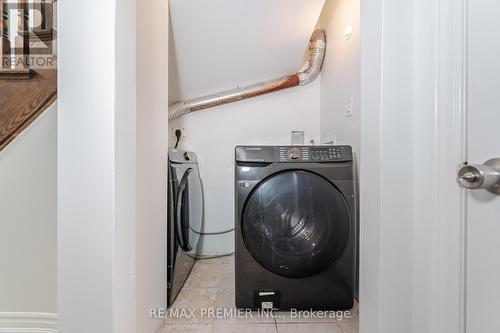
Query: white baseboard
[(28, 322)]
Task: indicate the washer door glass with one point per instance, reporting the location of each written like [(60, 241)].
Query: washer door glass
[(295, 224)]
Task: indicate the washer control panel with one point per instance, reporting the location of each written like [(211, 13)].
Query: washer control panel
[(314, 154), (294, 153), (326, 153), (284, 154), (288, 154)]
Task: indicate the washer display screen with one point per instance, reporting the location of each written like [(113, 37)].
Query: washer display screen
[(295, 224)]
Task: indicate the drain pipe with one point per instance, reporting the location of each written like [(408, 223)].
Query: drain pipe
[(317, 47)]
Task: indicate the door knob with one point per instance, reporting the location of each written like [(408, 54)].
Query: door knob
[(481, 176)]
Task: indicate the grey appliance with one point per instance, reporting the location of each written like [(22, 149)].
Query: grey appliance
[(295, 219), (185, 218)]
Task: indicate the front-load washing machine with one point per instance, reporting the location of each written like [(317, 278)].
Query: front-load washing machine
[(295, 227), (185, 218)]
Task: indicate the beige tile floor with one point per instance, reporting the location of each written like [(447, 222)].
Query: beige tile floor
[(210, 287)]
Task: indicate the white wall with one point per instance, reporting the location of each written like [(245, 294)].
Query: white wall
[(152, 140), (213, 135), (341, 77), (96, 166), (112, 165), (387, 165), (86, 176), (126, 287), (28, 228), (219, 44), (341, 74)]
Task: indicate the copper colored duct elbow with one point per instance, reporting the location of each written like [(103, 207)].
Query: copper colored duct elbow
[(317, 47)]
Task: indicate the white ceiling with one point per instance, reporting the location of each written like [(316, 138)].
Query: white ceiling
[(220, 44)]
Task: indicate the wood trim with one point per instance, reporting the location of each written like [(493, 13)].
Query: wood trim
[(16, 74), (28, 121), (23, 101), (45, 35)]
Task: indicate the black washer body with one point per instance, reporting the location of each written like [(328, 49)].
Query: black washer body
[(295, 220), (185, 218)]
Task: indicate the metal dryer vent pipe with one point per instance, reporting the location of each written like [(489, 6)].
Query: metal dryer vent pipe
[(317, 47)]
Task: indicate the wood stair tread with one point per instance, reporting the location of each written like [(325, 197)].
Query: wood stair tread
[(15, 74), (22, 101)]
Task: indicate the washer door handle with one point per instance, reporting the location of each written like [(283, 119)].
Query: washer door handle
[(179, 206)]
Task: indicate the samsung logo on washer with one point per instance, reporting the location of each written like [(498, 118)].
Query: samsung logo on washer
[(254, 148)]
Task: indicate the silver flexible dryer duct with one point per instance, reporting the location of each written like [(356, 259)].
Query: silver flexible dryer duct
[(317, 47)]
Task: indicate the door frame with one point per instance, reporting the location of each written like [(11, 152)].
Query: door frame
[(413, 230)]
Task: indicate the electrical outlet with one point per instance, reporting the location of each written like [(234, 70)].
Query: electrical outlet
[(349, 107), (173, 138)]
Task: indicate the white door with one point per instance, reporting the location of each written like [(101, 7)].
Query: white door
[(483, 207)]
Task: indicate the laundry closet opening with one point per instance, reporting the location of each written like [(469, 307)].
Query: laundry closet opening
[(265, 138)]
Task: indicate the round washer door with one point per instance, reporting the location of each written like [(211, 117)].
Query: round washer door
[(295, 224), (189, 210)]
